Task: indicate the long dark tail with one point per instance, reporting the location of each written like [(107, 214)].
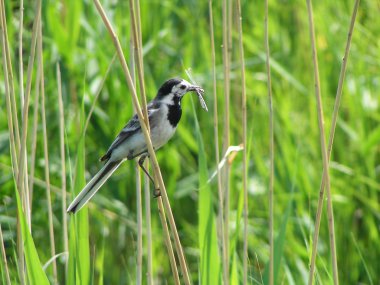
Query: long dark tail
[(93, 186)]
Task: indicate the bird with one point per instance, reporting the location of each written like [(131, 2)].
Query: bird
[(164, 113)]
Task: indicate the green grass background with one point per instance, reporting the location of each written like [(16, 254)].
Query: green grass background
[(175, 36)]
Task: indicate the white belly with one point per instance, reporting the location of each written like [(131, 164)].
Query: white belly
[(161, 133)]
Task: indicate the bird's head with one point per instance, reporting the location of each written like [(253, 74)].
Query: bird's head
[(172, 91)]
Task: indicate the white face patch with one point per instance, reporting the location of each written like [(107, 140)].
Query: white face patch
[(181, 88)]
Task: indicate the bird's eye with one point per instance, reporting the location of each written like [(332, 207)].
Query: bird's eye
[(182, 87)]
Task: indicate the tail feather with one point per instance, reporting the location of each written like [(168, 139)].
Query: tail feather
[(93, 186)]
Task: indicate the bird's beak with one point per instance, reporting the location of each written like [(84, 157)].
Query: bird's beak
[(196, 88), (199, 90)]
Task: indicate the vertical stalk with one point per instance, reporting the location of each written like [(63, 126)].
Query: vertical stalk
[(139, 226), (3, 254), (26, 198), (137, 178), (244, 139), (161, 212), (271, 147), (323, 150), (11, 143), (226, 135), (223, 248), (22, 186), (14, 149), (63, 161), (148, 227), (21, 65), (10, 82), (7, 92), (34, 132), (331, 140), (136, 32), (136, 20), (11, 123), (46, 155), (25, 112)]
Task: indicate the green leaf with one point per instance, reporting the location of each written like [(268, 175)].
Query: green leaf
[(278, 247), (208, 243), (36, 274), (79, 247)]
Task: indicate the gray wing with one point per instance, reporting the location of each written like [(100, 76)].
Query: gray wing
[(133, 126)]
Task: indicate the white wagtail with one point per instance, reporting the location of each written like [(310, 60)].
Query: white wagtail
[(164, 113)]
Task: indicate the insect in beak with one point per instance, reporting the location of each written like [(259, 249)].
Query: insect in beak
[(199, 92)]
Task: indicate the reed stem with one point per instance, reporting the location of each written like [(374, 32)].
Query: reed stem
[(46, 155), (221, 231), (244, 140), (271, 147), (330, 144), (323, 145)]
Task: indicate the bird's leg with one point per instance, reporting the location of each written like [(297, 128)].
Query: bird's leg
[(141, 164), (157, 191)]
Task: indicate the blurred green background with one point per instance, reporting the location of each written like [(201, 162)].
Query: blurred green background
[(175, 36)]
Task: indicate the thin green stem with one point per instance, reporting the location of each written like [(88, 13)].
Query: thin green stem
[(226, 134), (271, 146), (222, 243), (244, 140), (63, 162)]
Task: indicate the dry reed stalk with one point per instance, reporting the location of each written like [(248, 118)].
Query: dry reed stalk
[(46, 154), (22, 183), (10, 81), (3, 254), (139, 226), (139, 254), (34, 133), (148, 226), (22, 177), (161, 212), (323, 149), (25, 110), (13, 147), (136, 32), (20, 56), (136, 27), (331, 139)]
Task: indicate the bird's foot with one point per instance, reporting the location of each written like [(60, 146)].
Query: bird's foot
[(157, 193)]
